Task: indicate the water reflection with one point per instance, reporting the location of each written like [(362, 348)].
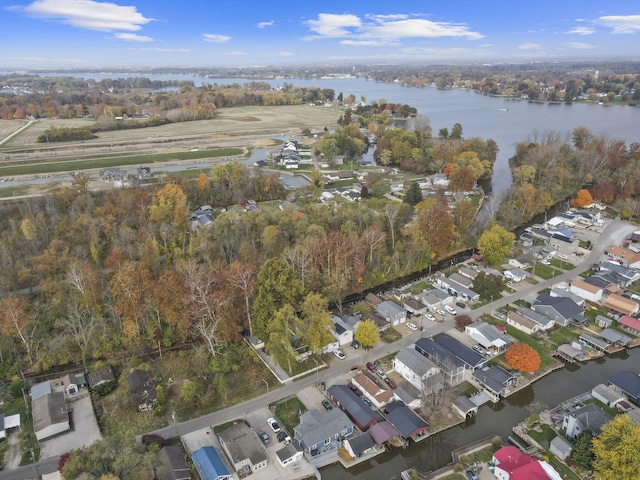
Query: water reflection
[(522, 398)]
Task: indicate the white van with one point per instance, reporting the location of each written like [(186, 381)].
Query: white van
[(451, 310)]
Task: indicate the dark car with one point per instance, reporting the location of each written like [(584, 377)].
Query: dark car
[(354, 389), (461, 304), (327, 405), (372, 367), (390, 382), (470, 475), (323, 386), (264, 437), (354, 367)]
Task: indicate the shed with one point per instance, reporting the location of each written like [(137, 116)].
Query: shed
[(561, 447), (290, 453)]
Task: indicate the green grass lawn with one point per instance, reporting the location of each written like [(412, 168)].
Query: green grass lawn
[(544, 436), (544, 271), (390, 335), (419, 287), (8, 192), (288, 412)]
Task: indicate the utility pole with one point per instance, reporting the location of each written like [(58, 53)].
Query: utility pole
[(267, 384)]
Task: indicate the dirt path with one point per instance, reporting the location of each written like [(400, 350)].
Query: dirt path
[(13, 455)]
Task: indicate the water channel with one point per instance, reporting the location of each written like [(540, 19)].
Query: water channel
[(498, 419)]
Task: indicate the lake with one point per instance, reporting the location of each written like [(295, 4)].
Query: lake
[(504, 120)]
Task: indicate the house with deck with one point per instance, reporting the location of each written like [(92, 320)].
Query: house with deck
[(589, 416), (453, 369), (492, 339), (317, 429), (562, 310), (415, 367)]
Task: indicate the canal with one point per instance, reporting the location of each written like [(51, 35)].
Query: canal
[(498, 419)]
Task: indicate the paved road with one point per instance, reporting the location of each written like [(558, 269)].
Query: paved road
[(614, 233)]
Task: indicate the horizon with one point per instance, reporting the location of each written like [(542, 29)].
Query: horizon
[(141, 34)]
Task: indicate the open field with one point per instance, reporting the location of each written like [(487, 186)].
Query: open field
[(7, 127)]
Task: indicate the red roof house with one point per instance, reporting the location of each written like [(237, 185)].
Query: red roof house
[(511, 464)]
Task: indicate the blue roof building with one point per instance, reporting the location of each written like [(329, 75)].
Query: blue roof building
[(210, 465)]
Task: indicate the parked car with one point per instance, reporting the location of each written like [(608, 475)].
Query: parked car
[(372, 367), (264, 437), (354, 367), (563, 256), (470, 475), (327, 405), (354, 389), (412, 326), (461, 304), (339, 354), (355, 344), (323, 386), (545, 262), (441, 312), (451, 310), (430, 317), (390, 382), (273, 424), (499, 315), (479, 348), (366, 400), (283, 437), (381, 374)]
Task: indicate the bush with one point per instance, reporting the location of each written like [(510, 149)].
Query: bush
[(153, 439)]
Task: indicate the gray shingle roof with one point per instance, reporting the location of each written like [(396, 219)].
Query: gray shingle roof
[(468, 356), (417, 362), (352, 404), (316, 427)]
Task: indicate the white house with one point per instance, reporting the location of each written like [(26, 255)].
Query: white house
[(342, 332), (414, 367), (590, 416), (492, 339), (515, 274), (589, 292), (522, 323)]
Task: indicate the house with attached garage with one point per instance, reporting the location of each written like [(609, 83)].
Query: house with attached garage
[(522, 323), (414, 306), (392, 312), (415, 367), (434, 298)]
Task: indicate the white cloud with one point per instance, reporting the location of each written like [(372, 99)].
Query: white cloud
[(284, 54), (215, 38), (530, 46), (132, 37), (236, 53), (582, 31), (384, 29), (621, 24), (579, 45), (163, 50), (265, 24), (89, 14)]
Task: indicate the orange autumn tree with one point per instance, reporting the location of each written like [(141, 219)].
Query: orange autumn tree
[(523, 358), (583, 198)]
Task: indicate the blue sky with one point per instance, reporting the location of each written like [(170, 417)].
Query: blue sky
[(146, 33)]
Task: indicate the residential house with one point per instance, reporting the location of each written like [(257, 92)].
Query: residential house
[(630, 324), (406, 421), (511, 464), (377, 395), (412, 396), (453, 368), (620, 304), (626, 256), (373, 299), (171, 464), (545, 322), (289, 454), (607, 395), (414, 306), (381, 322), (627, 275), (590, 416), (472, 359), (392, 312), (358, 412), (100, 376), (523, 261), (589, 292), (351, 321), (360, 445), (210, 465), (627, 382), (522, 323), (415, 367), (470, 273), (455, 289), (243, 449), (515, 274), (142, 390), (382, 432), (342, 332), (462, 280), (492, 339), (50, 415), (561, 310), (495, 380), (434, 298), (318, 429)]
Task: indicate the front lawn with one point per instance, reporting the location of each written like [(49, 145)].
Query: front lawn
[(390, 335), (288, 412)]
